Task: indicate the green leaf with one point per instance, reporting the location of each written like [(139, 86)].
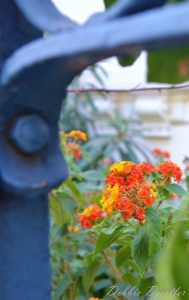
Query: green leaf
[(130, 279), (105, 240), (109, 2), (96, 75), (68, 203), (144, 287), (59, 215), (62, 286), (91, 102), (72, 187), (175, 188), (180, 262), (184, 223), (89, 275), (127, 60), (155, 230), (173, 266), (169, 66), (92, 175), (166, 193), (123, 255), (140, 249), (101, 284)]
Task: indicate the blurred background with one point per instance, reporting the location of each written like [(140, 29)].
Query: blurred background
[(159, 118)]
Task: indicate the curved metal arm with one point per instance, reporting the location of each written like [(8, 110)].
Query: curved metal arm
[(44, 15), (123, 8)]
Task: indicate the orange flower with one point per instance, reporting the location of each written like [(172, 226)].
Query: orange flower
[(106, 161), (140, 214), (77, 134), (122, 167), (169, 169), (146, 194), (94, 298), (187, 167), (73, 148), (146, 167), (127, 190), (126, 205), (69, 228), (91, 213), (121, 173), (166, 154), (158, 152)]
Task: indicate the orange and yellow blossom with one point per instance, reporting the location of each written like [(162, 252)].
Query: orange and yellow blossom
[(91, 213), (73, 148), (127, 190), (109, 198), (77, 134), (168, 169)]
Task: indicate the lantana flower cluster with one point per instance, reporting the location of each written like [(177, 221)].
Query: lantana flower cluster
[(72, 147), (129, 191), (78, 135), (160, 153)]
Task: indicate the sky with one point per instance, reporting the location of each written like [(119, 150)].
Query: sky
[(79, 10)]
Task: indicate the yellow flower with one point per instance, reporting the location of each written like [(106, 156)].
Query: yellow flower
[(94, 298), (78, 135), (76, 229), (122, 166), (109, 197)]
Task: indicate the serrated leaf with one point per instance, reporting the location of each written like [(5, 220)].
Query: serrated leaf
[(105, 240), (89, 275), (140, 249), (155, 230), (175, 188), (59, 215), (122, 256), (169, 66)]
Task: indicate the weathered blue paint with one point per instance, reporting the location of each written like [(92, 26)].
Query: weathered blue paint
[(24, 254), (34, 75)]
